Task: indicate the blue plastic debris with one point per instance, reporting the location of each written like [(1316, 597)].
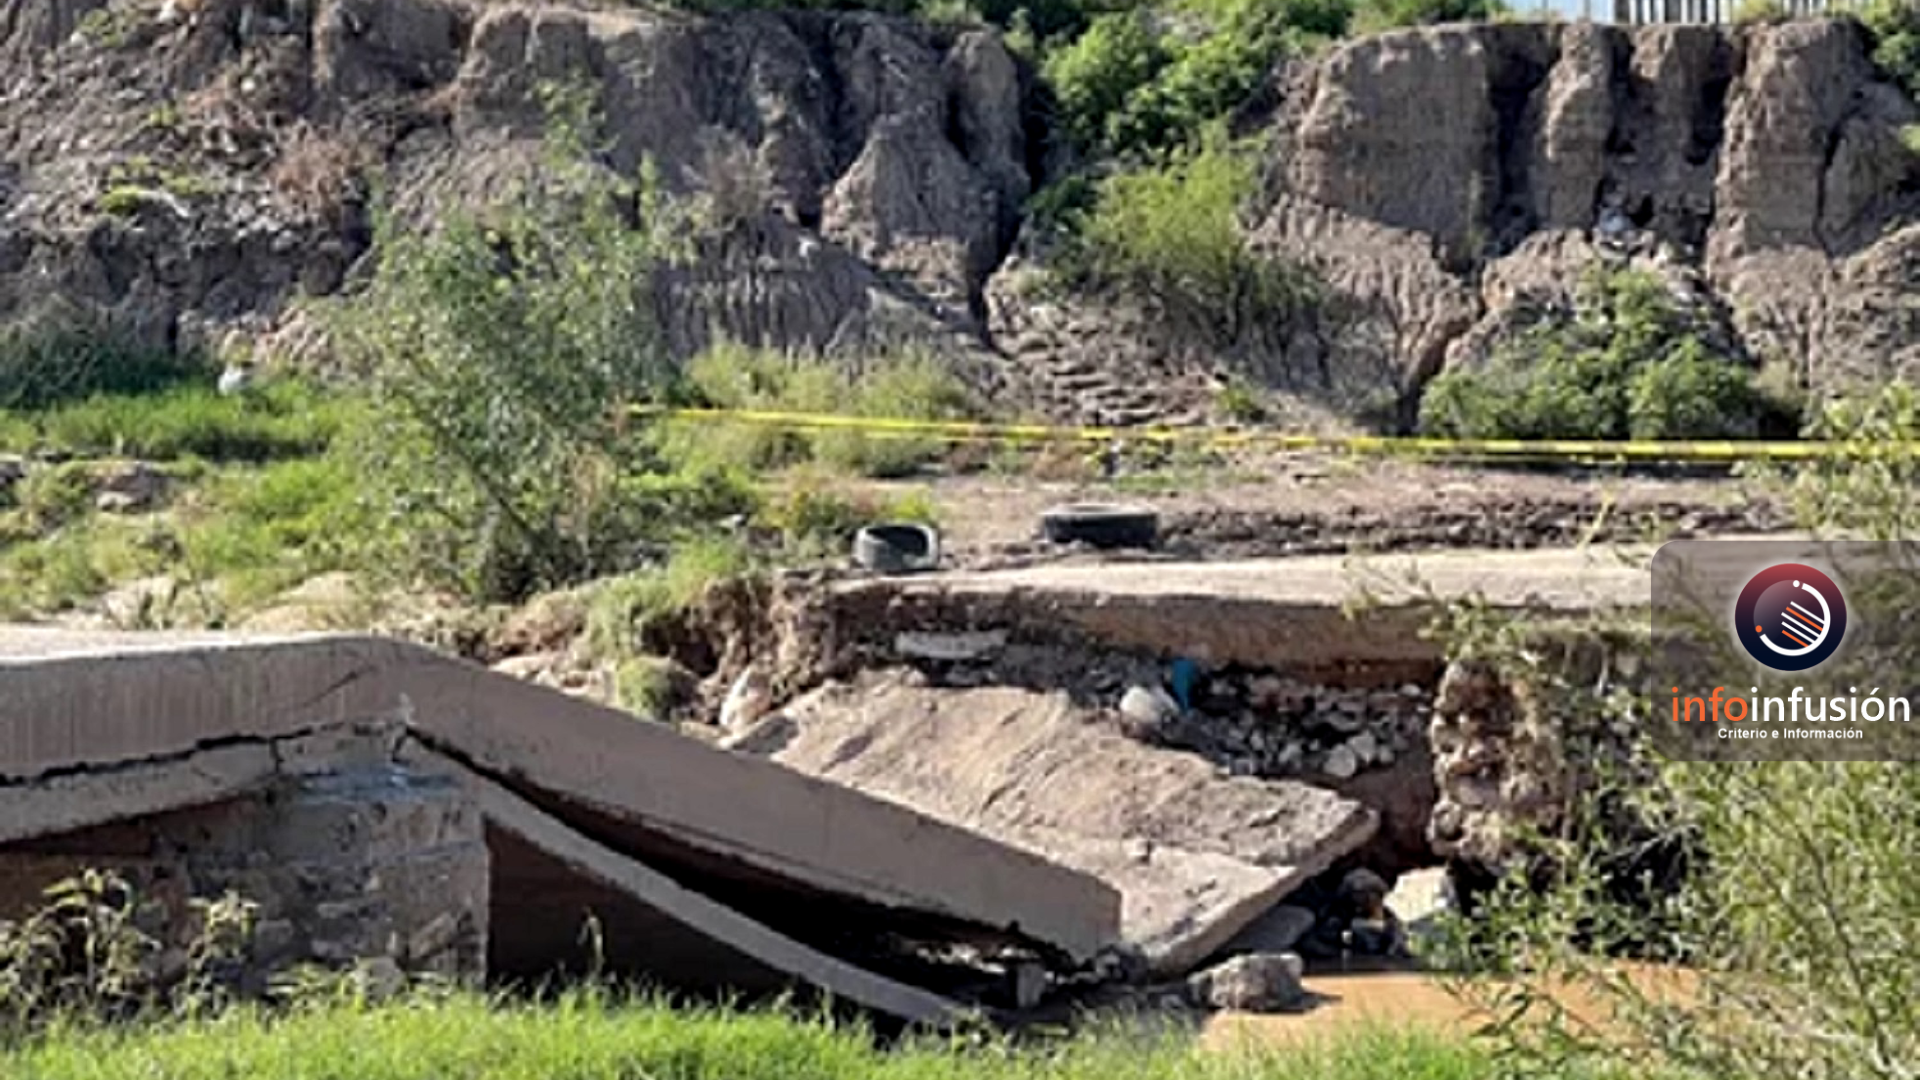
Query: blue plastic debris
[(1186, 676)]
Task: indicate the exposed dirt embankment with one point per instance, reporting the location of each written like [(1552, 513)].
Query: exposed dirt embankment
[(195, 167), (192, 168), (1450, 184)]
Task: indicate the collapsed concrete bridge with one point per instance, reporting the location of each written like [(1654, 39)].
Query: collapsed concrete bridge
[(914, 847), (379, 800)]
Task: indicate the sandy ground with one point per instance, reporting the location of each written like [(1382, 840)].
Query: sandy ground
[(1292, 504), (1404, 1000)]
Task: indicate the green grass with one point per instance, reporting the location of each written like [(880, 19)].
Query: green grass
[(286, 419), (911, 386), (243, 535), (589, 1036), (625, 607)]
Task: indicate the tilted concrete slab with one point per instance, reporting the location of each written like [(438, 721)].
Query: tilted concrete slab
[(689, 939), (83, 799), (1309, 614), (1195, 854), (74, 710)]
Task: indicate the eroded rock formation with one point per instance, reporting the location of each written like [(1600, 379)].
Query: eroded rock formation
[(192, 175)]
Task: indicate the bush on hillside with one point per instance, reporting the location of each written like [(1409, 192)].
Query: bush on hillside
[(60, 355), (1173, 232), (1374, 16), (1094, 76), (1142, 83), (1895, 26), (909, 386), (1627, 362)]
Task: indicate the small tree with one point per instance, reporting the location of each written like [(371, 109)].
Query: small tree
[(505, 348), (1791, 893)]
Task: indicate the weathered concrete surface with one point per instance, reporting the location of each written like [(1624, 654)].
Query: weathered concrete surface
[(1195, 855), (1293, 615), (80, 800), (75, 714), (688, 940)]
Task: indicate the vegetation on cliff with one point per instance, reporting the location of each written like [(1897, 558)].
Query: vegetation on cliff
[(1629, 362)]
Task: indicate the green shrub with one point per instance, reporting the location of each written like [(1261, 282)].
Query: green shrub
[(54, 496), (1627, 363), (626, 611), (1895, 26), (1095, 75), (1755, 12), (1377, 15), (1871, 484), (1240, 402), (84, 957), (261, 531), (286, 419), (1213, 73), (59, 355), (1788, 890), (644, 686), (1173, 232), (818, 519), (1131, 85), (505, 349)]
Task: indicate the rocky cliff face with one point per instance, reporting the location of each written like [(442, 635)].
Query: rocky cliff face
[(1450, 184), (190, 168), (1451, 180), (194, 173)]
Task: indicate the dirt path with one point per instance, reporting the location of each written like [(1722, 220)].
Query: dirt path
[(1314, 504)]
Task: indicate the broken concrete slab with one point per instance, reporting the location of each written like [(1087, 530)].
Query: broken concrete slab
[(72, 706), (745, 809), (688, 939), (81, 800), (1194, 854), (1278, 930), (1290, 615)]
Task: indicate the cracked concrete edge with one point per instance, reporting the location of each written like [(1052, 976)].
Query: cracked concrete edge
[(101, 706), (83, 800), (102, 703), (762, 813), (1302, 612), (1175, 956), (722, 924)]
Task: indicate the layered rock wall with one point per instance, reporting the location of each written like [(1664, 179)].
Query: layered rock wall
[(190, 175)]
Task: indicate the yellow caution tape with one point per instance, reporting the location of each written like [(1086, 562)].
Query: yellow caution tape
[(960, 431)]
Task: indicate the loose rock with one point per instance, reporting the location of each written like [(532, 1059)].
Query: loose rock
[(1341, 763), (1256, 982), (1147, 712)]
